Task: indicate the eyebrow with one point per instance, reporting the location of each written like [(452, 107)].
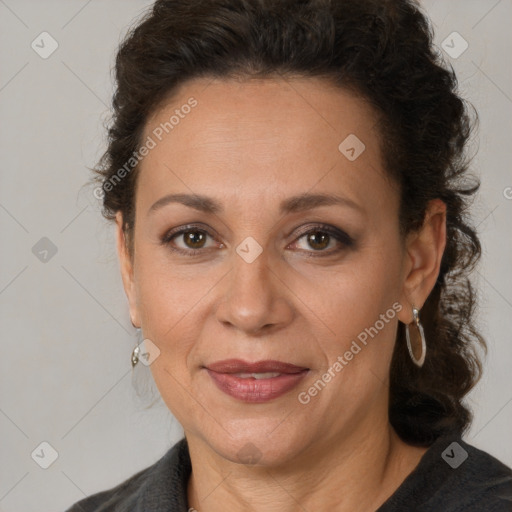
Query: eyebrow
[(299, 203)]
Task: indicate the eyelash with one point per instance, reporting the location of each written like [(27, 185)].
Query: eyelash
[(342, 237)]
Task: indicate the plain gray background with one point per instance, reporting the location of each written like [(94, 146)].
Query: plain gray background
[(66, 377)]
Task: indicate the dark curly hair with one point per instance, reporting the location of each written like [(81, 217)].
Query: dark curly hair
[(382, 50)]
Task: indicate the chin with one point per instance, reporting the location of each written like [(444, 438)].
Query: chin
[(260, 442)]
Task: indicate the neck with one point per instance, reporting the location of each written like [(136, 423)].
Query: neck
[(343, 473)]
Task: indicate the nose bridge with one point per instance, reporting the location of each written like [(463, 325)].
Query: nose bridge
[(253, 298)]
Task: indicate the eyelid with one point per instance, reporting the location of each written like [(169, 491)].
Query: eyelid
[(344, 240), (188, 227), (339, 235), (179, 231), (330, 230)]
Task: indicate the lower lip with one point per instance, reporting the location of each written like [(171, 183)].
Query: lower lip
[(256, 390)]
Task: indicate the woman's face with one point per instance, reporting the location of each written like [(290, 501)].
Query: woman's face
[(263, 275)]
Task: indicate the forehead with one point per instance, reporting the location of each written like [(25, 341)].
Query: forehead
[(254, 137), (253, 110)]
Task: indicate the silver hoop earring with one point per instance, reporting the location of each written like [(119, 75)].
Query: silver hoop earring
[(136, 350), (135, 356), (418, 361)]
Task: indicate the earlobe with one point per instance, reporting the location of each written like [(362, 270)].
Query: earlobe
[(127, 273), (424, 252)]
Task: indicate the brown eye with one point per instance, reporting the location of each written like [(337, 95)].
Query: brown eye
[(194, 239), (318, 240), (188, 241)]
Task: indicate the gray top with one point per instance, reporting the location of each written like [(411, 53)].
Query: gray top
[(452, 476)]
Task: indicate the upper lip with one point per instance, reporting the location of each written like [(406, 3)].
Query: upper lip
[(240, 366)]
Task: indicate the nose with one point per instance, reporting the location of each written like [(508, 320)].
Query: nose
[(255, 299)]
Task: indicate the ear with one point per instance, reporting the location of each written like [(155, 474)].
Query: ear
[(424, 251), (126, 264)]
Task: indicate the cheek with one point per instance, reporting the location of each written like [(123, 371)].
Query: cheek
[(340, 306), (360, 307), (166, 304), (354, 296), (342, 300), (167, 291), (345, 298)]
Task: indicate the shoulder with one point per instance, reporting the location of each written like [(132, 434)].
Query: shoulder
[(484, 483), (454, 476), (161, 486)]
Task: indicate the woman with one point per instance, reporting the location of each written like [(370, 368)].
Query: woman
[(288, 183)]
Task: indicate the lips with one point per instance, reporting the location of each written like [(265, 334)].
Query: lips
[(255, 382), (240, 366)]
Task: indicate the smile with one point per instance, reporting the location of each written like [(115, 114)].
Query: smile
[(255, 382)]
